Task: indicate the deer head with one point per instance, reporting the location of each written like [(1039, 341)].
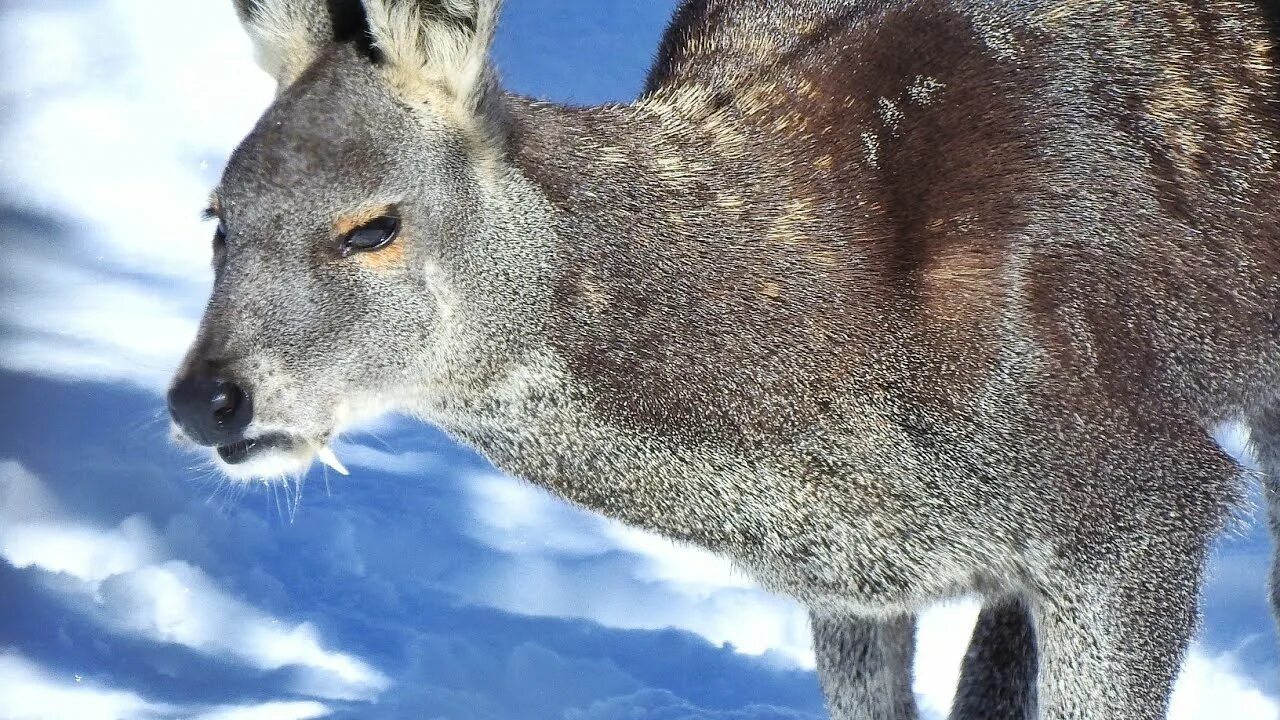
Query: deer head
[(347, 220)]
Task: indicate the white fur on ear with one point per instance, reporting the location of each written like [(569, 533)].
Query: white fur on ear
[(287, 34), (436, 50)]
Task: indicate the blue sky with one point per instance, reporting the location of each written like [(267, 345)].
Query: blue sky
[(426, 585)]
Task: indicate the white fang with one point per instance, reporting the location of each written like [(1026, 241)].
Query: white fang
[(326, 455)]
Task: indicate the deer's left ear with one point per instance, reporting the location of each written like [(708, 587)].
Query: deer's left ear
[(436, 50), (287, 35)]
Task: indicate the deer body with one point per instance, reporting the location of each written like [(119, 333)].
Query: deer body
[(887, 302)]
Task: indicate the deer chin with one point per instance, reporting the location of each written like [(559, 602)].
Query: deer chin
[(272, 456)]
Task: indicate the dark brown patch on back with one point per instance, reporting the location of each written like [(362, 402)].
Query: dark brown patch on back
[(885, 201)]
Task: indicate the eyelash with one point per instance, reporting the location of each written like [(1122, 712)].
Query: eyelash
[(220, 233)]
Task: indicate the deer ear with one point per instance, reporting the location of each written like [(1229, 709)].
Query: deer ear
[(288, 34), (436, 50)]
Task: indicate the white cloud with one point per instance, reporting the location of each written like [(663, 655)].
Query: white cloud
[(518, 518), (1212, 686), (23, 497), (1209, 687), (124, 578), (87, 554), (72, 323), (115, 133), (32, 692), (268, 711), (35, 533), (1233, 437), (638, 580), (409, 463), (942, 636), (671, 585), (175, 602)]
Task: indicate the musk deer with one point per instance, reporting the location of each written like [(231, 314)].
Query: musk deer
[(887, 301)]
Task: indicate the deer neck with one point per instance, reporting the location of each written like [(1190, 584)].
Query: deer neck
[(601, 190), (634, 375)]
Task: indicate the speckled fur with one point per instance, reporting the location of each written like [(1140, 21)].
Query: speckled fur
[(888, 302)]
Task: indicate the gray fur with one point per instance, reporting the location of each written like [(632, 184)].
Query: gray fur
[(888, 302), (865, 665), (998, 676)]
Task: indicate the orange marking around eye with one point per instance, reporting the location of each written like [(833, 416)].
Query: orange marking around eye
[(391, 257), (346, 223)]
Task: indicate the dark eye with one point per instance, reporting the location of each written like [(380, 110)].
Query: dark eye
[(220, 234), (373, 235), (220, 237)]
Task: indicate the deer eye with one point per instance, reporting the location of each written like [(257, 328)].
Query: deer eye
[(373, 235), (220, 236)]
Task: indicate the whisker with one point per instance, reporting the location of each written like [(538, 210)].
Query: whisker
[(286, 486), (384, 443), (297, 496), (275, 495), (237, 492), (149, 420), (219, 487)]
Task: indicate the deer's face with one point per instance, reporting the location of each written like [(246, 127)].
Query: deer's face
[(334, 218)]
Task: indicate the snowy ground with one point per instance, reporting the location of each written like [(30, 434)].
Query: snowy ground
[(427, 585)]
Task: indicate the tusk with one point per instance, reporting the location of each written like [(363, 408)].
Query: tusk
[(325, 455)]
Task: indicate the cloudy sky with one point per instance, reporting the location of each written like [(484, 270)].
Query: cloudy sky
[(136, 585)]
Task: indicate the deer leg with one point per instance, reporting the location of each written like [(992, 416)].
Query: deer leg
[(1110, 648), (998, 677), (865, 666)]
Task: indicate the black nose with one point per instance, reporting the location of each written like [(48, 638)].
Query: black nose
[(211, 411)]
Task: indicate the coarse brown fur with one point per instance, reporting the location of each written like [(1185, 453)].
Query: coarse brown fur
[(886, 301)]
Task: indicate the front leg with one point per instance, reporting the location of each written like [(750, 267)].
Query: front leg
[(865, 665), (998, 678), (1111, 650)]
